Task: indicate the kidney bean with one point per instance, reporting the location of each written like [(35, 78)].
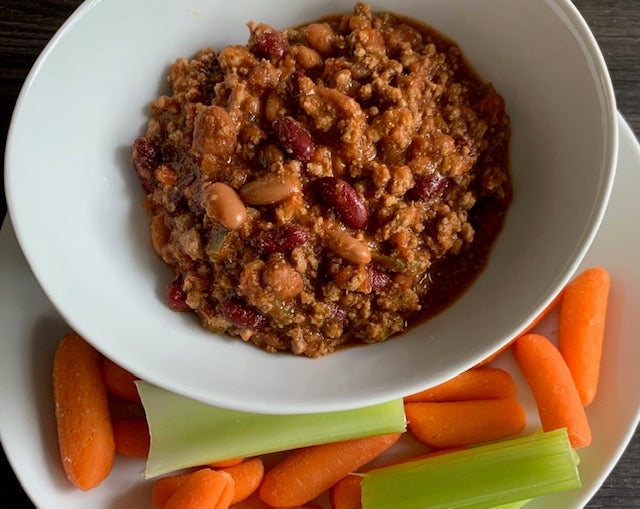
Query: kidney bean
[(176, 297), (348, 247), (145, 156), (339, 316), (293, 85), (378, 280), (294, 138), (242, 316), (427, 187), (340, 195), (280, 239), (271, 45)]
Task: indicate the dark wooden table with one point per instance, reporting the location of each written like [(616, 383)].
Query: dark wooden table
[(27, 25)]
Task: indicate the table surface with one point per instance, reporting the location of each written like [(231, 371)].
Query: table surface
[(27, 25)]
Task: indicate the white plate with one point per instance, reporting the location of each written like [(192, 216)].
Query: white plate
[(31, 329), (74, 202)]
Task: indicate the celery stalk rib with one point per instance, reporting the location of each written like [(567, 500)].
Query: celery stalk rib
[(485, 476), (186, 433)]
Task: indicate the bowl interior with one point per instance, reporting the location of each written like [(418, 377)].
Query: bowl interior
[(75, 203)]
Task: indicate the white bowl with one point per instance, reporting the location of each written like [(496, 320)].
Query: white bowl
[(75, 203)]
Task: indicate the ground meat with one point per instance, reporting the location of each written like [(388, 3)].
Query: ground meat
[(324, 185)]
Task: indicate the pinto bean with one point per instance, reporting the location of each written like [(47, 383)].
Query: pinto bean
[(306, 58), (269, 189), (269, 154), (320, 37), (284, 280), (214, 132), (274, 107), (222, 204), (348, 247)]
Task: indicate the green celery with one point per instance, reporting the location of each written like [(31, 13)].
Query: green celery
[(513, 505), (486, 476), (186, 433)]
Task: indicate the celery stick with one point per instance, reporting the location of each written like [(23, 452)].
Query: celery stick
[(512, 505), (485, 476), (186, 433)]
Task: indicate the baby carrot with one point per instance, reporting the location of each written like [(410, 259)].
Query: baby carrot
[(581, 329), (85, 434), (553, 388), (164, 488), (226, 463), (247, 477), (535, 322), (253, 502), (309, 471), (119, 381), (346, 493), (203, 488), (476, 383), (132, 437), (456, 423)]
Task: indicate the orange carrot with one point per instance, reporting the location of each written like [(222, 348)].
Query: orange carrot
[(247, 477), (309, 471), (85, 434), (132, 437), (553, 388), (455, 423), (306, 506), (581, 329), (226, 463), (430, 454), (122, 409), (120, 382), (253, 502), (346, 493), (203, 488), (164, 488), (477, 383), (535, 322)]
